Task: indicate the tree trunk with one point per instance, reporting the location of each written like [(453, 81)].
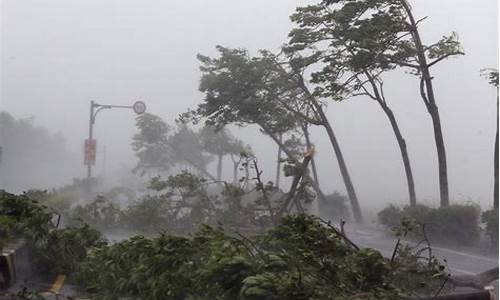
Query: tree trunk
[(427, 94), (235, 172), (321, 196), (219, 167), (356, 209), (441, 153), (404, 153), (278, 164), (378, 96), (495, 191), (351, 193), (285, 150), (247, 175)]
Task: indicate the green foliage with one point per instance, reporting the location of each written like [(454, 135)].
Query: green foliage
[(352, 42), (243, 90), (21, 216), (53, 250), (456, 224), (62, 250), (491, 75), (299, 259), (180, 204), (151, 143)]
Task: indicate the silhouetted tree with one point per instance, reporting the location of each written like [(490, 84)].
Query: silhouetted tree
[(159, 148), (220, 142), (32, 156)]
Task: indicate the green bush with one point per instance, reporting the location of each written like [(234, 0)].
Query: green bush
[(53, 250), (21, 216), (455, 224), (62, 250)]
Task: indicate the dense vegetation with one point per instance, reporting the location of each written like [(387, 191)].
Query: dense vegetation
[(54, 250), (302, 257)]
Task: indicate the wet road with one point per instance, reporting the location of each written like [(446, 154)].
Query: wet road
[(458, 262)]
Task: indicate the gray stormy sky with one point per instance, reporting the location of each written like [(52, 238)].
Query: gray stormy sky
[(57, 55)]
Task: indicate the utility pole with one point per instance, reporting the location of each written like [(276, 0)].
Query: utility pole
[(89, 161), (138, 107)]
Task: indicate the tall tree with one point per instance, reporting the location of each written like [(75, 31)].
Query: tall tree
[(286, 84), (382, 34), (444, 48), (150, 144), (337, 42), (493, 80)]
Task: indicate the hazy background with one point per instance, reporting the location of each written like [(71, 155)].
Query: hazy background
[(57, 55)]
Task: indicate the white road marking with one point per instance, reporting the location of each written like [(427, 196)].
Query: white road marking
[(484, 258), (461, 271), (466, 254)]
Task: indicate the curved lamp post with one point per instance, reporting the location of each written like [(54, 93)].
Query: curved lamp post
[(138, 107)]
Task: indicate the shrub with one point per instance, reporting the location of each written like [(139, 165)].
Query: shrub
[(53, 250), (456, 224), (335, 206), (390, 216), (62, 250), (101, 213), (490, 218), (22, 216)]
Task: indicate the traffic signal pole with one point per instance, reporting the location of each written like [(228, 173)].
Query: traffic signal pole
[(138, 107)]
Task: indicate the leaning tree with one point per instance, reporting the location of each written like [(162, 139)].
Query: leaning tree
[(286, 84), (240, 89), (234, 94), (379, 35), (334, 41)]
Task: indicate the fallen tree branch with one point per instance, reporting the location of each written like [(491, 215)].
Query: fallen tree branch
[(296, 180)]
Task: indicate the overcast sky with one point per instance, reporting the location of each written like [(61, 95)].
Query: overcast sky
[(57, 55)]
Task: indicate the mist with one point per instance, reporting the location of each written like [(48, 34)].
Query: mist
[(59, 55)]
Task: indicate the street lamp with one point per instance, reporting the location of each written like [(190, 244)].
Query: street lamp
[(138, 107)]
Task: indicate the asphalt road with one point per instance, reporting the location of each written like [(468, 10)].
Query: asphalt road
[(458, 261)]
